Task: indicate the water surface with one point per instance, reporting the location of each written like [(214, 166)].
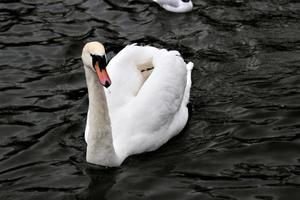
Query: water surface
[(242, 139)]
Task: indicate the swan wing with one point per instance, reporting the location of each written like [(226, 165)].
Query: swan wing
[(157, 112), (162, 93), (125, 76)]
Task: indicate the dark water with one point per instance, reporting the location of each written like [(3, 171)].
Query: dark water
[(241, 142)]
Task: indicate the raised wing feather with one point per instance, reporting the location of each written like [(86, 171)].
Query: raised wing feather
[(161, 96), (150, 118)]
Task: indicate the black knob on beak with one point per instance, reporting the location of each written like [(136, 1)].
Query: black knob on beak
[(107, 84)]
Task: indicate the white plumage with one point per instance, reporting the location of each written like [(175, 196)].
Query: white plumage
[(178, 6), (145, 109)]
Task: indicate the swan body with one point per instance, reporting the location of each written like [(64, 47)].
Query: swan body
[(178, 6), (145, 105)]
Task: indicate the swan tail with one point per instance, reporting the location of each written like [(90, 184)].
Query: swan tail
[(190, 66), (186, 97)]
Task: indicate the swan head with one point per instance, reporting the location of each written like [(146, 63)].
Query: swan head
[(94, 57)]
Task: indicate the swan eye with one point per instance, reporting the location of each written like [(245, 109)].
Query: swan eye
[(101, 60)]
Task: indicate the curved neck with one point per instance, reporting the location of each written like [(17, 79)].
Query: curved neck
[(100, 149)]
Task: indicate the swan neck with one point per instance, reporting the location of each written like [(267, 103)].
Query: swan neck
[(100, 149)]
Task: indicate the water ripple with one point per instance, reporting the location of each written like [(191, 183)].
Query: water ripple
[(242, 139)]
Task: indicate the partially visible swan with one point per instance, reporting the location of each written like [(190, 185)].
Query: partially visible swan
[(179, 6), (141, 110)]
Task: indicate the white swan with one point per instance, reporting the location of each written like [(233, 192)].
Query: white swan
[(178, 6), (142, 109)]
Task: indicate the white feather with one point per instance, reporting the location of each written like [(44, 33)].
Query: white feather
[(145, 112), (177, 6)]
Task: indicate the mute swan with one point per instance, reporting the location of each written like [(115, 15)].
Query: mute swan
[(142, 110), (179, 6)]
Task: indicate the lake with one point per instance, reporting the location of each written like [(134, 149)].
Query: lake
[(242, 140)]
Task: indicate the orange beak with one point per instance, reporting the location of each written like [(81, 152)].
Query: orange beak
[(103, 76)]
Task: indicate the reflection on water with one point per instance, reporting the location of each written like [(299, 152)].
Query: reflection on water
[(242, 139)]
